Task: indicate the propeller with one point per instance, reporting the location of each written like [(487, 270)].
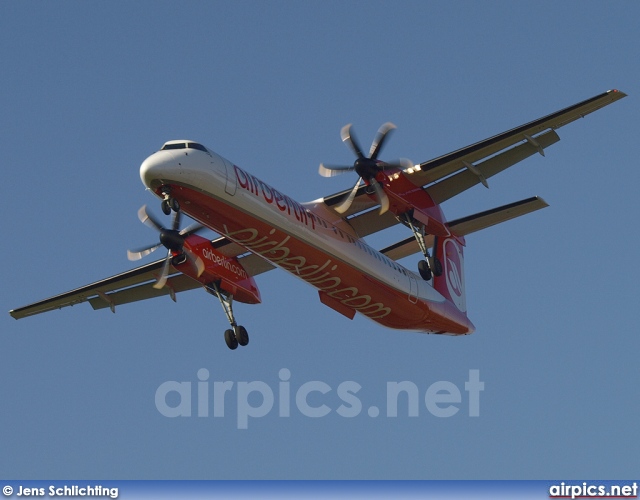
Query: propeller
[(365, 166), (172, 239)]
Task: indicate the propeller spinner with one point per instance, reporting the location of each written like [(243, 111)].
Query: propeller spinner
[(172, 239)]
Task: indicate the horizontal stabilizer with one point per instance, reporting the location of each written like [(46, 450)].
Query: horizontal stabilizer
[(483, 220), (468, 225)]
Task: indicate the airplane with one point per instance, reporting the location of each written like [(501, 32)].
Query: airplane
[(322, 241)]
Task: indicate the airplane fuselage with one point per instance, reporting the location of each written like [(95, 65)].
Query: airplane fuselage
[(305, 239)]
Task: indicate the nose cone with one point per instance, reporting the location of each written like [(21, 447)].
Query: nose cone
[(157, 169)]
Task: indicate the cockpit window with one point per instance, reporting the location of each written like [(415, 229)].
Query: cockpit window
[(175, 145), (195, 145), (184, 145)]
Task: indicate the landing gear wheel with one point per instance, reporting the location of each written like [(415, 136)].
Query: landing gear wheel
[(230, 339), (437, 267), (174, 204), (242, 335), (169, 204), (166, 209), (424, 270)]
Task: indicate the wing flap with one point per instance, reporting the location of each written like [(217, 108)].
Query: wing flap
[(227, 247), (254, 264), (456, 184), (175, 284), (371, 222), (82, 294)]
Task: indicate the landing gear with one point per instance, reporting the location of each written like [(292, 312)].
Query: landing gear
[(237, 334), (169, 203), (231, 340), (166, 209), (424, 270), (430, 266), (241, 335), (437, 266)]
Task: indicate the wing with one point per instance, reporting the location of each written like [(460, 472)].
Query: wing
[(455, 172), (137, 284)]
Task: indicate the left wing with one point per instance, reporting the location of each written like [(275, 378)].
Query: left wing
[(137, 284)]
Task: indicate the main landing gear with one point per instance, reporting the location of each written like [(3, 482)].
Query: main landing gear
[(236, 335), (430, 266)]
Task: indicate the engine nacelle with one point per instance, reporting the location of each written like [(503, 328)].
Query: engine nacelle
[(211, 265)]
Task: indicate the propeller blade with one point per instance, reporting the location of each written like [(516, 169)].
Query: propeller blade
[(406, 164), (333, 170), (350, 140), (381, 196), (381, 136), (142, 252), (148, 220), (193, 228), (176, 221), (346, 204), (162, 280), (195, 260)]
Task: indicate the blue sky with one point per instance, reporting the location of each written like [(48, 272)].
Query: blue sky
[(91, 89)]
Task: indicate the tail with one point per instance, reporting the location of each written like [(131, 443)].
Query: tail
[(449, 259)]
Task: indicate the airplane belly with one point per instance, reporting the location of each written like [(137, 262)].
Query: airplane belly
[(341, 283)]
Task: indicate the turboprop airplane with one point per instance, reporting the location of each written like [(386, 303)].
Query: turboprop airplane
[(321, 242)]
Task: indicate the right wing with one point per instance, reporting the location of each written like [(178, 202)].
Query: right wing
[(455, 172), (137, 284), (438, 168)]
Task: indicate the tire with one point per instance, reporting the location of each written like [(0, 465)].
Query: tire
[(437, 267), (231, 340), (423, 269), (166, 209), (242, 335), (174, 204)]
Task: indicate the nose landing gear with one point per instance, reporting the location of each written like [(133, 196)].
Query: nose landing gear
[(169, 203)]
